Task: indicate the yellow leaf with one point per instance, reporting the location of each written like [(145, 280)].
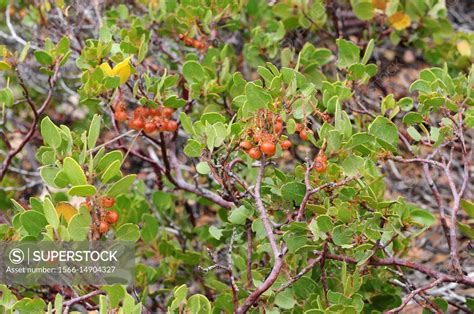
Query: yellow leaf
[(66, 210), (123, 70), (399, 21), (107, 69), (464, 48)]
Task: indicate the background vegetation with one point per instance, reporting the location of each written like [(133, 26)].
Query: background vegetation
[(281, 156)]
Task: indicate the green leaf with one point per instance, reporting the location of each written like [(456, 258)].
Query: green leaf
[(342, 235), (174, 102), (94, 131), (193, 71), (203, 168), (186, 123), (17, 205), (79, 226), (43, 57), (215, 232), (150, 228), (74, 172), (420, 85), (121, 186), (348, 53), (198, 304), (257, 97), (128, 232), (48, 174), (468, 207), (27, 305), (294, 192), (4, 66), (112, 171), (50, 213), (466, 230), (422, 217), (368, 51), (413, 118), (33, 222), (24, 52), (179, 294), (102, 304), (363, 9), (50, 133), (324, 223), (406, 103), (115, 293), (470, 303), (162, 200), (212, 118), (414, 133), (285, 300), (384, 129), (352, 165), (63, 45), (108, 159), (82, 190), (193, 148), (6, 97), (58, 303), (239, 215)]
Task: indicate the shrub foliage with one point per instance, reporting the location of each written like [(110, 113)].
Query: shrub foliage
[(242, 145)]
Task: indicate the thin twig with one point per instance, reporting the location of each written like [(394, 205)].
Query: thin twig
[(415, 292)]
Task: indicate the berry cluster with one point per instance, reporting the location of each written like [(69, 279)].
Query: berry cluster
[(107, 215), (264, 136), (191, 42), (150, 120)]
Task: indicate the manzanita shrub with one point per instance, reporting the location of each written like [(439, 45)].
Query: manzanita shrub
[(243, 146)]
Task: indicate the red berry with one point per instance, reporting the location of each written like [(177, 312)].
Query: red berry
[(120, 116), (268, 148), (254, 153), (162, 125), (111, 217), (171, 126), (277, 127), (257, 137), (155, 112), (286, 144), (245, 144), (149, 128), (321, 162), (304, 135), (103, 227), (140, 112), (168, 112), (299, 127), (108, 202), (136, 124), (188, 41)]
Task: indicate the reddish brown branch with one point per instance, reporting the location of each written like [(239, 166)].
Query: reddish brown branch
[(89, 295), (277, 255), (249, 255)]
